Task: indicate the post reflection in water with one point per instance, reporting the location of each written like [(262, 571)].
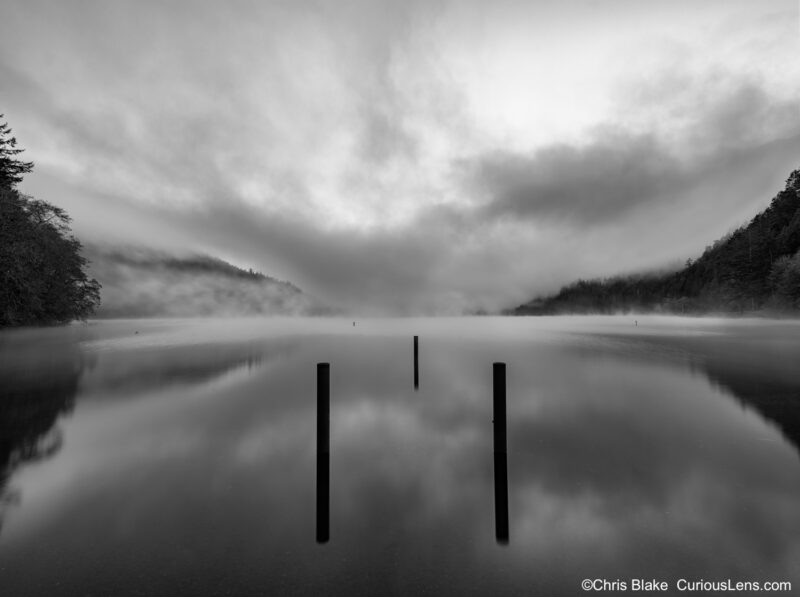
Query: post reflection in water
[(501, 498), (323, 452), (500, 454)]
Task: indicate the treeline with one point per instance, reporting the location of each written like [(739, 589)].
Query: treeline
[(190, 264), (756, 267), (43, 276), (144, 282)]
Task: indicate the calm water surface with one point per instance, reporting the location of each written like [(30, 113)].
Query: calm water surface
[(179, 457)]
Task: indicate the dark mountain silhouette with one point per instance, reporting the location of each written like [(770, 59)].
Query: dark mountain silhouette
[(756, 267), (139, 282)]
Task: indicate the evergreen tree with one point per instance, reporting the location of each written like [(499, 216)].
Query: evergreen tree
[(43, 276), (11, 169)]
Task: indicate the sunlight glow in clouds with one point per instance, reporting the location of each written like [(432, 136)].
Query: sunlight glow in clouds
[(407, 156)]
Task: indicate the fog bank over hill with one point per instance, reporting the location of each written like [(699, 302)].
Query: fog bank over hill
[(141, 282), (753, 268)]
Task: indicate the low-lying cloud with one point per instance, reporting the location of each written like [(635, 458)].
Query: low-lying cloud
[(140, 282)]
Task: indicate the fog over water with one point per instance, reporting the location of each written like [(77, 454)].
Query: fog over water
[(169, 456)]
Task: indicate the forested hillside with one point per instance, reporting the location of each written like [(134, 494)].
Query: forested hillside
[(43, 277), (140, 282), (756, 267)]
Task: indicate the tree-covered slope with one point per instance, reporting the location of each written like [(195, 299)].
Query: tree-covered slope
[(139, 282), (755, 267), (43, 278)]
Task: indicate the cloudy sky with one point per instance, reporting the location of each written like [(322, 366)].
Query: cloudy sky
[(407, 156)]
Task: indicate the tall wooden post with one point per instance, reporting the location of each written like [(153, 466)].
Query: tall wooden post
[(323, 452), (500, 454), (416, 362)]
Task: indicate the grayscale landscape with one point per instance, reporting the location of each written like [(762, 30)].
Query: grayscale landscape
[(375, 297)]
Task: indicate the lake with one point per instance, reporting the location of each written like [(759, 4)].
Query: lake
[(179, 457)]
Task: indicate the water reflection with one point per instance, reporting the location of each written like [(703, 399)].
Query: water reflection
[(122, 374), (776, 400), (501, 497), (626, 457), (43, 370), (757, 370), (33, 395)]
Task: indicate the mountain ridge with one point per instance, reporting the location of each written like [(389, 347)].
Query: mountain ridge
[(754, 268), (144, 282)]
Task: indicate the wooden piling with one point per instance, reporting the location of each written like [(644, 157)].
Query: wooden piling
[(416, 362), (500, 454), (499, 383), (323, 452)]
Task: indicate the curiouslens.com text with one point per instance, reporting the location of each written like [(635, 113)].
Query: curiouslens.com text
[(653, 585)]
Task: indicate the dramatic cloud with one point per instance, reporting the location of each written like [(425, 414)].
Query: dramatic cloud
[(730, 139), (407, 156), (587, 184)]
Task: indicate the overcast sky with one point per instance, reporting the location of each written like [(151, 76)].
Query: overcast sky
[(407, 156)]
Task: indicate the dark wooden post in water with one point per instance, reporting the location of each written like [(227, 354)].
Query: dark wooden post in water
[(500, 454), (323, 452), (416, 362)]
